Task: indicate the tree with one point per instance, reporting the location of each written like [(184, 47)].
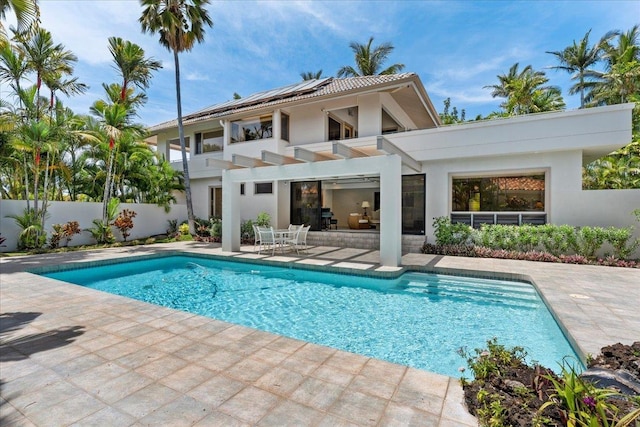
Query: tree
[(310, 75), (180, 24), (449, 118), (620, 80), (368, 60), (525, 92), (577, 59), (26, 12), (131, 64), (48, 60)]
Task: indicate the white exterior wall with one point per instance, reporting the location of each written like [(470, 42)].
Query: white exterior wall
[(150, 219)]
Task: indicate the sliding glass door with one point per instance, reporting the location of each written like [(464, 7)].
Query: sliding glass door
[(306, 203)]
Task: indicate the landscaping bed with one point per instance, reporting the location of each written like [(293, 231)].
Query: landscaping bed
[(508, 392)]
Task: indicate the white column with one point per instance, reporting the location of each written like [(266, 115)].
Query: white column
[(391, 211), (230, 213), (276, 123)]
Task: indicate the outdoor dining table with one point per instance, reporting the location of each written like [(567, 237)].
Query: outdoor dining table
[(282, 235)]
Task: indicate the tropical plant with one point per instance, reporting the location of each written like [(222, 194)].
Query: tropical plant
[(101, 230), (525, 92), (180, 24), (124, 222), (63, 231), (578, 58), (263, 220), (26, 12), (448, 233), (32, 235), (620, 80), (369, 60), (583, 404), (449, 118)]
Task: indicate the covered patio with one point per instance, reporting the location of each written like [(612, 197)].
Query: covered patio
[(374, 157)]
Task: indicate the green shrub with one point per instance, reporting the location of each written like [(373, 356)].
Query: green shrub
[(620, 240), (447, 233), (184, 229), (589, 240), (246, 230), (32, 235), (101, 231), (263, 220), (557, 239)]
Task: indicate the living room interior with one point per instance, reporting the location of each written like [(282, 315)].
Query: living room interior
[(354, 202)]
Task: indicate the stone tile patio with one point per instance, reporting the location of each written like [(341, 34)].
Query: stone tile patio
[(75, 356)]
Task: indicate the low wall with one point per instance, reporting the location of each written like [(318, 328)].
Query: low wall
[(361, 240), (150, 220)]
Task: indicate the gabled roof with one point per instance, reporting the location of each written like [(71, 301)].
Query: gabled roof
[(306, 90)]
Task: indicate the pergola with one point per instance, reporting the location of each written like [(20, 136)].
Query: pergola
[(383, 159)]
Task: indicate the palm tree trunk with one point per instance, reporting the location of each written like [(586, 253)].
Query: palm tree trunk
[(26, 180), (107, 186), (183, 149)]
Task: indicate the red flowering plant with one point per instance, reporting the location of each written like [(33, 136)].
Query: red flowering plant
[(124, 222)]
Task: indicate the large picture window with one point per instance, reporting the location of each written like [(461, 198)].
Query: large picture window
[(515, 193), (252, 129), (209, 142)]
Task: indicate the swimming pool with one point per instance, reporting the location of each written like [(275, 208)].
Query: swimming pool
[(418, 319)]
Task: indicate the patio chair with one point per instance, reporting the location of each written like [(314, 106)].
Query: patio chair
[(267, 238), (300, 239), (256, 236)]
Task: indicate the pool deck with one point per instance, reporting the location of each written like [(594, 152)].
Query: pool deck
[(75, 356)]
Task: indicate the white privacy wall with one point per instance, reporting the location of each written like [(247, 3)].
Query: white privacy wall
[(150, 219)]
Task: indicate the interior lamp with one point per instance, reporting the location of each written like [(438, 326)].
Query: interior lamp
[(365, 205)]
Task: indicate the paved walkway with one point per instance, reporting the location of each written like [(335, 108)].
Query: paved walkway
[(74, 356)]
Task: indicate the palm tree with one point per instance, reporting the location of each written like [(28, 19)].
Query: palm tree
[(577, 59), (26, 12), (369, 60), (49, 61), (132, 65), (620, 80), (525, 92), (310, 75), (180, 24)]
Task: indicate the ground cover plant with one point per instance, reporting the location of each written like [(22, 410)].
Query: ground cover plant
[(547, 243), (506, 391)]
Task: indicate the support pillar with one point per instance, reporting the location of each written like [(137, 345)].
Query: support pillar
[(230, 213), (391, 211)]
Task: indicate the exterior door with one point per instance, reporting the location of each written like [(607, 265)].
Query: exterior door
[(306, 204)]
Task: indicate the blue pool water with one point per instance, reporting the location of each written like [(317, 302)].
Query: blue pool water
[(418, 319)]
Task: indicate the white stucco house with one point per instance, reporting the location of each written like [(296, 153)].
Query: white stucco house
[(373, 152)]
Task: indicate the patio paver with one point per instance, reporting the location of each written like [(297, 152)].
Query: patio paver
[(76, 356)]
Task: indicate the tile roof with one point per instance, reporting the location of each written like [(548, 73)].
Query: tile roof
[(296, 92)]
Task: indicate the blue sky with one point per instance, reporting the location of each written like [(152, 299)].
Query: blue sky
[(456, 47)]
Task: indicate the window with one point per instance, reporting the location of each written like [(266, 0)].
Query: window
[(284, 126), (242, 189), (208, 142), (252, 129), (413, 204), (215, 202), (263, 188), (519, 193), (339, 129), (334, 130)]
